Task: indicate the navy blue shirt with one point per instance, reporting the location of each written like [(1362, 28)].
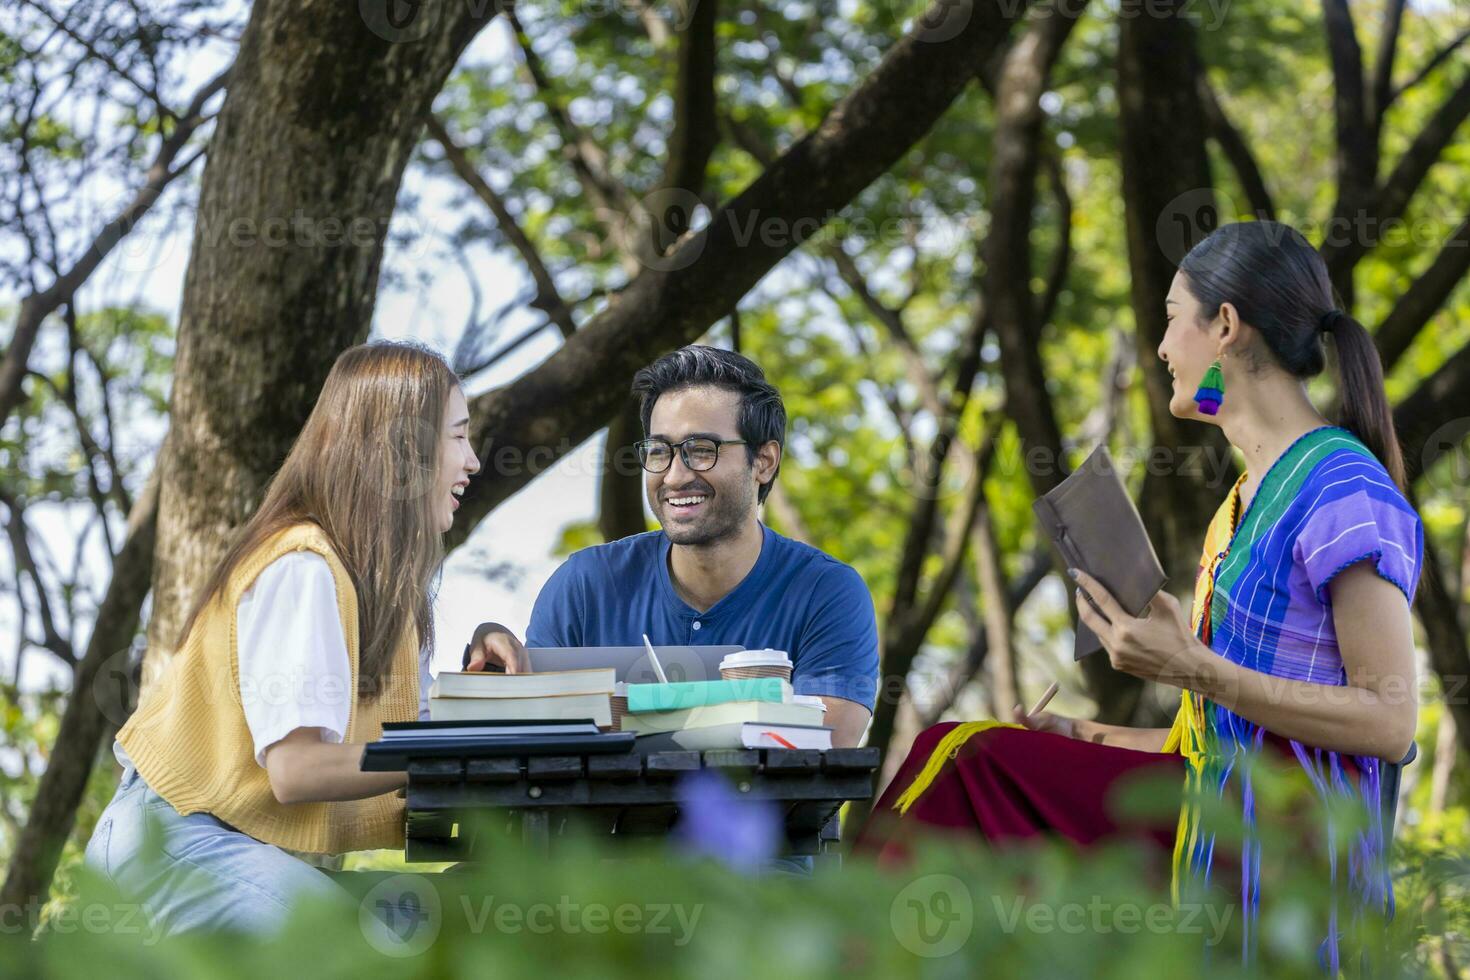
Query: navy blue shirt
[(795, 598)]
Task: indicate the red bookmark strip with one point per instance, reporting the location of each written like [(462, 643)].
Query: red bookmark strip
[(779, 739)]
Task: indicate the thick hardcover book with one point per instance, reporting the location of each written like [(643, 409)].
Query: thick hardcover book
[(1093, 524)]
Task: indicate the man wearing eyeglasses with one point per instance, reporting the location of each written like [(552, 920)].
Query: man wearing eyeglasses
[(715, 429)]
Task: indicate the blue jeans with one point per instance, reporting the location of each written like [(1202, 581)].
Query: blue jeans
[(196, 871)]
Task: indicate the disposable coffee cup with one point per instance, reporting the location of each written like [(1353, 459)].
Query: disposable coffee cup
[(810, 699), (756, 663), (619, 705)]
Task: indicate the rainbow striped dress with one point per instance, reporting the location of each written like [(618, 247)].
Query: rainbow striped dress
[(1262, 601)]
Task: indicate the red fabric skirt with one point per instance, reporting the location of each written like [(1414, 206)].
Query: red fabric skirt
[(1011, 784)]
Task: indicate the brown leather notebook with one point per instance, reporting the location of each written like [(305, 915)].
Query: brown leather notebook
[(1094, 525)]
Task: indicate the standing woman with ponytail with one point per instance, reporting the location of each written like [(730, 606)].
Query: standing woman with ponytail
[(313, 631), (1300, 640)]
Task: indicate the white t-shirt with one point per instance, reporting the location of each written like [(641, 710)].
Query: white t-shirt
[(294, 670)]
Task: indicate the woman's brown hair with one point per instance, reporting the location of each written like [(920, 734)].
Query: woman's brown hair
[(364, 469)]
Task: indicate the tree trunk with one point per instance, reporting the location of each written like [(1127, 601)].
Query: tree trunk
[(321, 116), (620, 494), (1449, 655), (100, 701), (1169, 203)]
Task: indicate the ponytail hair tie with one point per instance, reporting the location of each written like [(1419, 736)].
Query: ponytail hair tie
[(1329, 320)]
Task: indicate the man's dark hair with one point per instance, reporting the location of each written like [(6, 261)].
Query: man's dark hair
[(762, 417)]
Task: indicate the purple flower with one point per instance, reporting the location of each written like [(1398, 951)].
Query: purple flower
[(716, 821)]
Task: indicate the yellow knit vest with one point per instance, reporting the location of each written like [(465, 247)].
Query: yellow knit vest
[(189, 740)]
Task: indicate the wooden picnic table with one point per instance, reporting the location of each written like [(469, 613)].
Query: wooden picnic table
[(627, 796)]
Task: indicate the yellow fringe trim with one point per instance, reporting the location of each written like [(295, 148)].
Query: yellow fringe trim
[(1187, 738), (948, 748)]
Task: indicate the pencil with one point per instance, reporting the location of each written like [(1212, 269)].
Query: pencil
[(1045, 699)]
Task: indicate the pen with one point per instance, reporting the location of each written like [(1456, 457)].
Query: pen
[(1045, 699), (658, 668)]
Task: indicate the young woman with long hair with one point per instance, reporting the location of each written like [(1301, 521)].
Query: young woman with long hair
[(242, 758), (1299, 649)]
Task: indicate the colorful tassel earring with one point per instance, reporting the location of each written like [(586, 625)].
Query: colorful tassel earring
[(1211, 390)]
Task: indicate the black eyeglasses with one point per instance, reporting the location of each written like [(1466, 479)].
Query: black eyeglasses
[(657, 455)]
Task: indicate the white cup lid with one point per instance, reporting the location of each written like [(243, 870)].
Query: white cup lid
[(756, 658)]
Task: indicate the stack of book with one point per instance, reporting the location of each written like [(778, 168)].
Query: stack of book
[(727, 714), (554, 696)]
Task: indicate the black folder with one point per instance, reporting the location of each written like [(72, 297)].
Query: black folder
[(395, 755), (1093, 524)]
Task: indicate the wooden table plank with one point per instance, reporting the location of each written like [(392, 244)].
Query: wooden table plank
[(492, 770), (670, 764), (436, 770), (793, 760), (741, 759), (628, 766), (554, 767), (865, 759)]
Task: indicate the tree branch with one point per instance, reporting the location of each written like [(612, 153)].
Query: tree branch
[(891, 320), (548, 298), (1237, 151), (696, 128), (587, 158), (1424, 297), (19, 533), (1357, 153), (1061, 259), (1428, 413), (88, 715), (1440, 57), (1038, 567), (1346, 245), (39, 305), (1380, 93)]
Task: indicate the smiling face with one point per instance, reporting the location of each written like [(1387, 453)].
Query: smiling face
[(457, 460), (701, 507), (1189, 346)]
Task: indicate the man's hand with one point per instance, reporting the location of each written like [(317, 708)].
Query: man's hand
[(494, 644)]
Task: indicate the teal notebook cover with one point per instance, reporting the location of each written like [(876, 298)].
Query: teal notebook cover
[(694, 694)]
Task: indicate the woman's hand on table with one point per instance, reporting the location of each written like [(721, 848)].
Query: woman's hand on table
[(1157, 646), (493, 644)]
